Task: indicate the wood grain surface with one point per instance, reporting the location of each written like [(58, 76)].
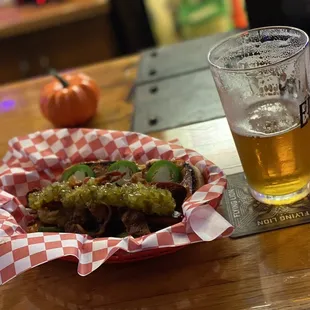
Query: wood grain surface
[(16, 20), (266, 271)]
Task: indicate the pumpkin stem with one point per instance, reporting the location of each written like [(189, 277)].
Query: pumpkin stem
[(63, 82)]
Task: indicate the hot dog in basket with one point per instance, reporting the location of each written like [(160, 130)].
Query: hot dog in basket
[(115, 199)]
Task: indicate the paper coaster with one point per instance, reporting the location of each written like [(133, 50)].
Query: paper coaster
[(249, 216)]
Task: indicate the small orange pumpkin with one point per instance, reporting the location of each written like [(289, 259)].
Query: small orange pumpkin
[(70, 100)]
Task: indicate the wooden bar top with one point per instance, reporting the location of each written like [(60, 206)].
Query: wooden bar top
[(265, 271), (16, 20)]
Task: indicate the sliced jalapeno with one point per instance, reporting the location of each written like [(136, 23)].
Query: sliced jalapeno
[(163, 171), (79, 171), (124, 166)]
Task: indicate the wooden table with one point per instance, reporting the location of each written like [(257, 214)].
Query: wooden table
[(266, 271)]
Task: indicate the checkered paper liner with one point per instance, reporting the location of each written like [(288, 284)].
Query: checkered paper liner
[(37, 159)]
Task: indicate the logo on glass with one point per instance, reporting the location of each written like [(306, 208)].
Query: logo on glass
[(304, 112)]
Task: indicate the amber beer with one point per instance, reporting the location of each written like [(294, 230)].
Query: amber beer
[(273, 143)]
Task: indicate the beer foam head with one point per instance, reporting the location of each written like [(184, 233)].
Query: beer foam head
[(258, 48), (268, 118)]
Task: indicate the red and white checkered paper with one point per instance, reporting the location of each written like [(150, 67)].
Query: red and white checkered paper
[(37, 159)]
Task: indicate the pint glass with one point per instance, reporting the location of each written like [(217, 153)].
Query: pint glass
[(262, 77)]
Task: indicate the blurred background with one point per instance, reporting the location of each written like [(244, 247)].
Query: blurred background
[(39, 34)]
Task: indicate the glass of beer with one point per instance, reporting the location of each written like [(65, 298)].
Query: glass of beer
[(262, 77)]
